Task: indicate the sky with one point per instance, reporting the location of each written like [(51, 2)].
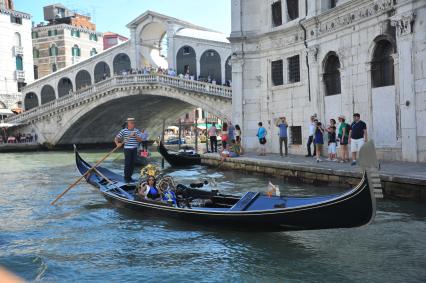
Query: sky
[(114, 15)]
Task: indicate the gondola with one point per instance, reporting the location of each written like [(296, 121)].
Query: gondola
[(253, 211), (142, 160), (180, 159)]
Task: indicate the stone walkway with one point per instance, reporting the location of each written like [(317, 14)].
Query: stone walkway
[(404, 172)]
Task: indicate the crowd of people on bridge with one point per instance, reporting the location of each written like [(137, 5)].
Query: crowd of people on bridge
[(150, 70), (18, 138)]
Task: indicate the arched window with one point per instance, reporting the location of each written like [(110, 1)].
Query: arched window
[(47, 94), (93, 37), (164, 45), (54, 67), (36, 53), (17, 39), (332, 74), (102, 72), (64, 87), (121, 63), (382, 68), (53, 50), (82, 79), (19, 63), (31, 100), (76, 52), (186, 62), (93, 52), (228, 70), (210, 65)]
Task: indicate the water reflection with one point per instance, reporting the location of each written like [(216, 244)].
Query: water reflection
[(85, 239)]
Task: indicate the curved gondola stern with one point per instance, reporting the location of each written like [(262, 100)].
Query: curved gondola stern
[(370, 165)]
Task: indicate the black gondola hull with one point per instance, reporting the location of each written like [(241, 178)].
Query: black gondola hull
[(179, 160), (352, 209)]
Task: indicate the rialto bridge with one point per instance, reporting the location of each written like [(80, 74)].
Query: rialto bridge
[(88, 101)]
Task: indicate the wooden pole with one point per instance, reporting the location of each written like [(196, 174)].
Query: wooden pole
[(196, 136), (207, 133), (180, 133), (84, 175), (162, 140)]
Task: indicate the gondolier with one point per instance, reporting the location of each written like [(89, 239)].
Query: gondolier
[(131, 137)]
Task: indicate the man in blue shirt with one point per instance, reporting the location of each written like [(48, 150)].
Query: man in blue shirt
[(131, 137), (282, 124)]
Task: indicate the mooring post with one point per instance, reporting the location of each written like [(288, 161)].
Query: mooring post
[(207, 133), (162, 140), (196, 136), (180, 133)]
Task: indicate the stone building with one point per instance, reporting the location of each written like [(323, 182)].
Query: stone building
[(297, 58), (112, 39), (66, 39), (16, 62)]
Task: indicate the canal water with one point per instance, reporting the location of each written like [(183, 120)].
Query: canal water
[(85, 239)]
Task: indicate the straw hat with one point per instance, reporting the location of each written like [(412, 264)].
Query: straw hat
[(130, 120)]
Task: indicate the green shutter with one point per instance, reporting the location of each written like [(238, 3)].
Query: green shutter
[(19, 63), (49, 33)]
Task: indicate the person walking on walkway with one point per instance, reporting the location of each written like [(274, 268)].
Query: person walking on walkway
[(312, 127), (224, 135), (131, 137), (261, 135), (282, 124), (358, 135), (343, 135), (212, 132)]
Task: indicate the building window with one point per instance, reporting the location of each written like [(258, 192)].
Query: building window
[(296, 135), (93, 37), (34, 34), (382, 68), (277, 17), (19, 63), (277, 72), (18, 39), (332, 75), (292, 9), (54, 67), (293, 69), (76, 52), (36, 53), (20, 86), (15, 20), (75, 33), (186, 50), (52, 32), (53, 50), (93, 52), (35, 72)]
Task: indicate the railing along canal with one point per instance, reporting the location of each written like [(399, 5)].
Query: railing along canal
[(104, 85)]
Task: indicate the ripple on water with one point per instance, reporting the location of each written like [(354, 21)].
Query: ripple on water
[(84, 238)]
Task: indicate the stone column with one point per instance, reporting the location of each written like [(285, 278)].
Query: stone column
[(404, 24), (223, 69), (236, 18), (237, 90), (315, 82), (171, 55), (135, 50)]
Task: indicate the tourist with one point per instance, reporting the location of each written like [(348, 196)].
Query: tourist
[(312, 128), (231, 131), (224, 135), (130, 137), (282, 124), (332, 144), (358, 135), (343, 135), (150, 191), (238, 138), (212, 133), (232, 150), (318, 140), (261, 135)]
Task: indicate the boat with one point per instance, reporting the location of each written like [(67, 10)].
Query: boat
[(174, 140), (252, 212), (143, 158), (179, 159)]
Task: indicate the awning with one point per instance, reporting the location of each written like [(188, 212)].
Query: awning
[(202, 126), (7, 125)]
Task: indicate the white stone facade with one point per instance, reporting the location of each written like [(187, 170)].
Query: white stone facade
[(15, 41), (395, 114)]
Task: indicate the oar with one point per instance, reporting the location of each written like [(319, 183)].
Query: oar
[(85, 174), (90, 170)]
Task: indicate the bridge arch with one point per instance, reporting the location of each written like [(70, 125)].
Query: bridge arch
[(64, 87), (121, 63), (210, 66), (82, 79), (228, 70), (186, 61), (2, 105), (30, 100), (102, 71), (47, 94), (150, 38)]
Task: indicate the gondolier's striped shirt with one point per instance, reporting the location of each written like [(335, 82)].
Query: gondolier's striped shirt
[(131, 142)]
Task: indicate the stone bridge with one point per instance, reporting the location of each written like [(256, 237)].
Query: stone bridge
[(95, 114)]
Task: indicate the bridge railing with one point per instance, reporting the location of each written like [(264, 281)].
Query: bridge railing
[(136, 79)]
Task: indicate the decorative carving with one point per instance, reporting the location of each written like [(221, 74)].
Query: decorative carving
[(313, 53), (372, 9), (403, 23)]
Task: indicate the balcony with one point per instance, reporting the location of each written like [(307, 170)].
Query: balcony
[(20, 76), (18, 50)]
